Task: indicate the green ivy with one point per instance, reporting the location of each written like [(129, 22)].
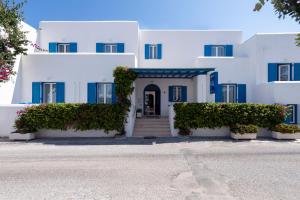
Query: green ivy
[(214, 115)]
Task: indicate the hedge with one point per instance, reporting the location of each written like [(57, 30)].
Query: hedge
[(71, 116), (214, 115), (286, 129), (243, 129)]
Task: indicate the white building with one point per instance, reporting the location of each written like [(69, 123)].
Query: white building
[(173, 66)]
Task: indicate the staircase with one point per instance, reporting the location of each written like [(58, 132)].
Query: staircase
[(152, 127)]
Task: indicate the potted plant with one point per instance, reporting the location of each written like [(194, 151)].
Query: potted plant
[(139, 113), (243, 132), (285, 132)]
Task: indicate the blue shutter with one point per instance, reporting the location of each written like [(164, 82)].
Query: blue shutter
[(60, 92), (92, 93), (159, 51), (147, 51), (242, 94), (120, 48), (73, 47), (171, 93), (52, 47), (297, 72), (213, 82), (184, 93), (114, 98), (100, 47), (272, 72), (229, 50), (36, 92), (296, 113), (207, 50), (218, 95)]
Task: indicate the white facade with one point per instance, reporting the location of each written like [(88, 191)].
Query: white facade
[(247, 64)]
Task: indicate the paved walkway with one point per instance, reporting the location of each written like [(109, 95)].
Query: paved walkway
[(166, 168)]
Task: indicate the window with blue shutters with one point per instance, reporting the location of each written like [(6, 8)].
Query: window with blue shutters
[(102, 93), (231, 93), (62, 47), (110, 47), (48, 92), (291, 114), (177, 93), (283, 72), (218, 50), (153, 51)]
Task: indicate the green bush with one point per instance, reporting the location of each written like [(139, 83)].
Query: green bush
[(216, 115), (286, 128), (71, 116), (242, 129)]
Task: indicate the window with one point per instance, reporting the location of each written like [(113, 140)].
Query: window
[(291, 114), (153, 51), (110, 48), (104, 93), (218, 51), (229, 93), (49, 93), (284, 72), (63, 48), (177, 94)]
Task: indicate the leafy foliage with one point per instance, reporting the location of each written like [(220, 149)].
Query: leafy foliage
[(286, 128), (214, 115), (12, 38), (71, 116), (283, 8), (243, 129)]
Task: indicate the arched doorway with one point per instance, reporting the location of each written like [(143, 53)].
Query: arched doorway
[(151, 100)]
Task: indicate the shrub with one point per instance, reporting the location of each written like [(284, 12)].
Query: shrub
[(71, 116), (243, 129), (286, 128), (216, 115)]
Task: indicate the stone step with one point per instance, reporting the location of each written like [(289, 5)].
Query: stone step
[(151, 133), (153, 129), (152, 126)]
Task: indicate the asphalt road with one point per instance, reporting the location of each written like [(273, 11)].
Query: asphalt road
[(138, 169)]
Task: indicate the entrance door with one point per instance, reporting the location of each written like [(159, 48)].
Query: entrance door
[(151, 100)]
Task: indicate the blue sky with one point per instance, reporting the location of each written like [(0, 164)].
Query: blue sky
[(164, 14)]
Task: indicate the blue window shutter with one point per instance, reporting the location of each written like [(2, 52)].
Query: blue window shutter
[(159, 51), (171, 93), (52, 47), (272, 72), (218, 93), (120, 47), (213, 82), (114, 97), (229, 50), (296, 114), (207, 50), (92, 93), (73, 47), (36, 92), (242, 94), (147, 51), (100, 47), (184, 93), (60, 92), (297, 72)]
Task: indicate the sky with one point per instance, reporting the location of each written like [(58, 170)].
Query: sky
[(164, 14)]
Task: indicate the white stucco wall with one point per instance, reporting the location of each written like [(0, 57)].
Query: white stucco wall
[(88, 33), (76, 70), (180, 48)]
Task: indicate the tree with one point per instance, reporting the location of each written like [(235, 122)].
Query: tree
[(283, 8), (12, 39)]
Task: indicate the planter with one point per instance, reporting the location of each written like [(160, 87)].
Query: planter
[(284, 136), (138, 115), (21, 137), (245, 136)]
